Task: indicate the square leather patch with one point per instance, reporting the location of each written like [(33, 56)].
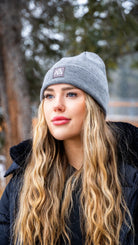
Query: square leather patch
[(58, 72)]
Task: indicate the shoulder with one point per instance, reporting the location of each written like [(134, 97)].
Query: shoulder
[(126, 136), (19, 154), (127, 154), (126, 130)]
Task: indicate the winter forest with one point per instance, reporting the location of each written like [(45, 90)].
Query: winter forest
[(35, 34)]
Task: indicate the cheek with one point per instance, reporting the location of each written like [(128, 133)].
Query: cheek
[(81, 109), (80, 112), (47, 113)]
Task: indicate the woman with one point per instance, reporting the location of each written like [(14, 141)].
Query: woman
[(76, 181)]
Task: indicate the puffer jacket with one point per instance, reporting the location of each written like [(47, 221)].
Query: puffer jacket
[(127, 138)]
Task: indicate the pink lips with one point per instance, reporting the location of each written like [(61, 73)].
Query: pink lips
[(60, 120)]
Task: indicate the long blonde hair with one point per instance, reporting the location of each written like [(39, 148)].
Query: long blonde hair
[(43, 208)]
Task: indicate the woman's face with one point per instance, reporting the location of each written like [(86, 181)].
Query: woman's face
[(64, 110)]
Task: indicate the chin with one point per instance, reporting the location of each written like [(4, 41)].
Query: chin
[(61, 134), (64, 134), (59, 137), (66, 137)]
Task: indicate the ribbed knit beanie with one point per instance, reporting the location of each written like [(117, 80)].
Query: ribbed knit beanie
[(85, 71)]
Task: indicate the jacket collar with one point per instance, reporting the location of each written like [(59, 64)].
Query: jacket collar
[(20, 152)]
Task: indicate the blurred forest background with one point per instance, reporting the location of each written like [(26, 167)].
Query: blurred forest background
[(35, 34)]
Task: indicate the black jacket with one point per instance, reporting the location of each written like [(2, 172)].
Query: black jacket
[(127, 138)]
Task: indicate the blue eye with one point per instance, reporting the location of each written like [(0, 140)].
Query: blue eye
[(48, 96), (71, 94)]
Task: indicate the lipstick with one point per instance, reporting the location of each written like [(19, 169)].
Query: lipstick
[(60, 120)]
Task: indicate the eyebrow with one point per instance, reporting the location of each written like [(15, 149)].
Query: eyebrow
[(63, 89)]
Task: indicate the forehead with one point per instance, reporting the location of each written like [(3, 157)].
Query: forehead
[(63, 86)]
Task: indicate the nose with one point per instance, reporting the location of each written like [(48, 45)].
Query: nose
[(59, 107), (59, 104)]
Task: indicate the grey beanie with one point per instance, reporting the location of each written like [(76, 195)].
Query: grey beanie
[(85, 71)]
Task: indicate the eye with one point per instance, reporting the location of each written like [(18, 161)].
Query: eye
[(48, 96), (71, 94)]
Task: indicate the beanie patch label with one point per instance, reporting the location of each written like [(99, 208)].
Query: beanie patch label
[(58, 72)]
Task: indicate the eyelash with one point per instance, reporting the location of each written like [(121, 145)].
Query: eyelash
[(72, 94), (69, 94), (46, 96)]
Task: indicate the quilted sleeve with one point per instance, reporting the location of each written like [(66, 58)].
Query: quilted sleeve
[(5, 217)]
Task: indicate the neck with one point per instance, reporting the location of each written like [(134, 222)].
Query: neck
[(74, 152)]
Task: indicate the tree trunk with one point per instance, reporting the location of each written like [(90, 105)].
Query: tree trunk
[(14, 90)]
